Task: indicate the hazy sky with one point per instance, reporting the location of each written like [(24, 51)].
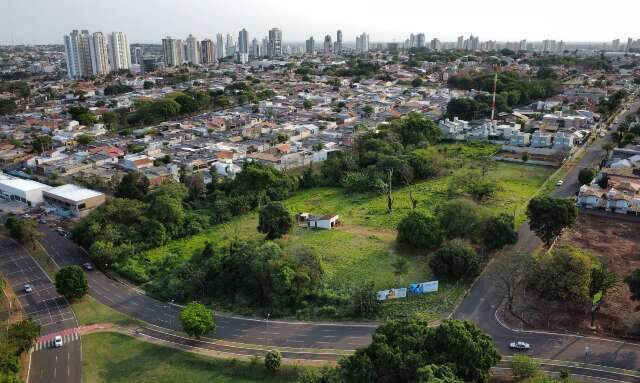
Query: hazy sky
[(46, 21)]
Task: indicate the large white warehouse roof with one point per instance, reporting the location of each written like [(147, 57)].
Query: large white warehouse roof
[(73, 192)]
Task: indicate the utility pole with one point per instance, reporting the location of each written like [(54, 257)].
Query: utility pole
[(495, 88)]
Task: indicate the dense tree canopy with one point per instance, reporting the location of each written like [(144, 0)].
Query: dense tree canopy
[(23, 230), (409, 350), (455, 261), (562, 275), (549, 216), (499, 231), (71, 282), (459, 218), (419, 231), (274, 220)]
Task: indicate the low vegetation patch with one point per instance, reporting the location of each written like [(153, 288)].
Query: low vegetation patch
[(114, 358)]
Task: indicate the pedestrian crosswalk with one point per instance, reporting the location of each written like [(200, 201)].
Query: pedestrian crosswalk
[(47, 341)]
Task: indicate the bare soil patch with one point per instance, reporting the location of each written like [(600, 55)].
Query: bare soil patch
[(616, 242)]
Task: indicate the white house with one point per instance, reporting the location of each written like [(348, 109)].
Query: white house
[(520, 139), (541, 140), (328, 221)]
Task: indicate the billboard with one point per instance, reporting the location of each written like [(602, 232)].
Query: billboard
[(423, 288), (384, 295)]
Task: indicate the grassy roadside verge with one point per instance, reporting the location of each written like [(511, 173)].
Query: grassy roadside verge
[(115, 358), (89, 311)]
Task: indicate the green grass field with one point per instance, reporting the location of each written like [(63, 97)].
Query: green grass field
[(89, 311), (363, 247), (117, 358)]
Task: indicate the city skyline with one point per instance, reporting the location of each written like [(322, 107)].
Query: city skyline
[(570, 21)]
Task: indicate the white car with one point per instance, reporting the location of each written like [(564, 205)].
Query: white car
[(522, 346), (28, 288), (560, 183), (57, 342)]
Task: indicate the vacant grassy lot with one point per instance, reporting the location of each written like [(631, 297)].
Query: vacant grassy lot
[(363, 247), (117, 358)]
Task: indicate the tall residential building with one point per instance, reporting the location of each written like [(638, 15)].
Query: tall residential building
[(138, 55), (243, 41), (435, 44), (275, 43), (78, 54), (119, 51), (192, 50), (338, 45), (256, 50), (231, 45), (549, 45), (220, 48), (328, 45), (460, 43), (99, 54), (362, 43), (172, 50), (310, 46), (523, 45), (207, 52), (412, 41), (421, 40)]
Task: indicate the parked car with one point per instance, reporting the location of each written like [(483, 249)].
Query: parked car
[(28, 288), (560, 183), (58, 341), (42, 221), (521, 346), (87, 266)]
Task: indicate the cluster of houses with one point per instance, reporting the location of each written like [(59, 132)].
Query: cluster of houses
[(616, 188), (552, 131)]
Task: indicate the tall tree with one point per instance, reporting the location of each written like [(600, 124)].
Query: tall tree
[(563, 275), (274, 220), (549, 216), (23, 230), (71, 282), (133, 185), (400, 351)]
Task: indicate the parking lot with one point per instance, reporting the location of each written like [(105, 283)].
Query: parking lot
[(43, 304)]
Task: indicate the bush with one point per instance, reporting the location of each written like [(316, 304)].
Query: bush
[(524, 367), (456, 260), (419, 231), (459, 218), (273, 360), (363, 182), (364, 301), (499, 231)]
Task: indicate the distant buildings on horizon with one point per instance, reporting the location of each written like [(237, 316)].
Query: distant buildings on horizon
[(98, 54)]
